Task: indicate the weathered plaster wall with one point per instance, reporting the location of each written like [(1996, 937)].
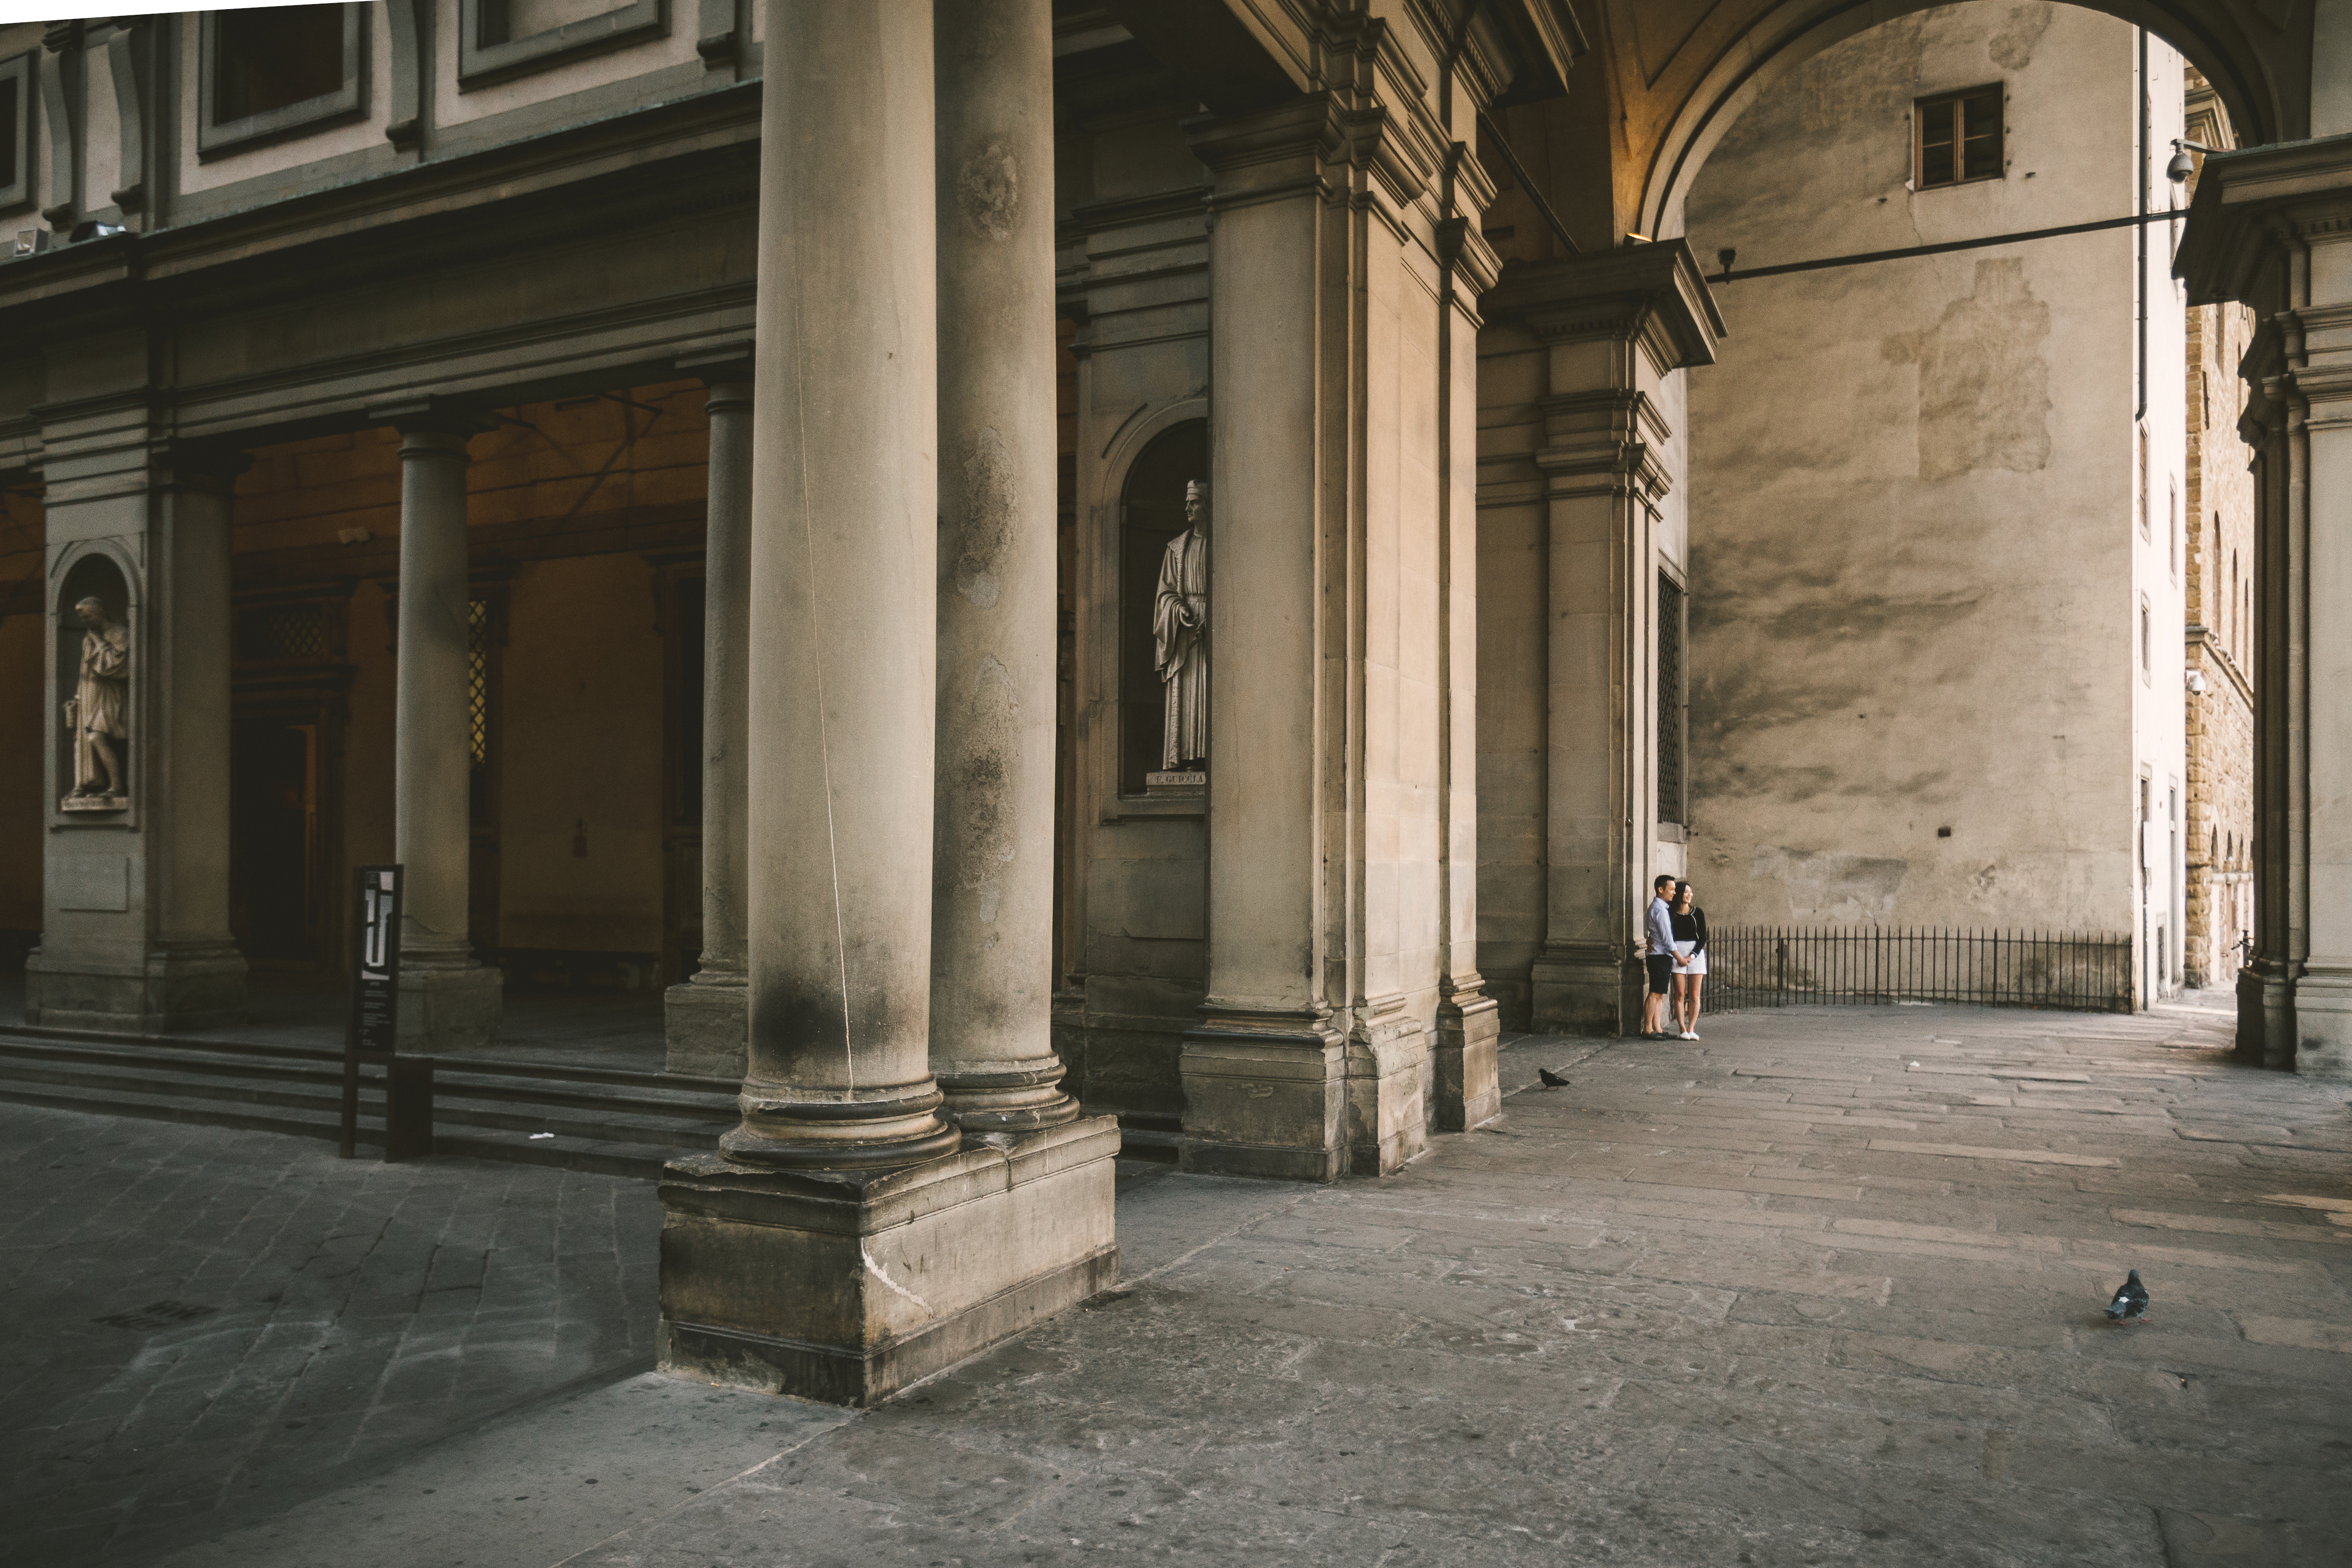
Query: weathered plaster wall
[(581, 825), (1915, 569)]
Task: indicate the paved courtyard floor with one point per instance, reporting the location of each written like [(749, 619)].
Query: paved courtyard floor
[(1823, 1288)]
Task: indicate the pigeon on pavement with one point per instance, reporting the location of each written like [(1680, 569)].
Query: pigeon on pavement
[(2131, 1299), (1550, 1080)]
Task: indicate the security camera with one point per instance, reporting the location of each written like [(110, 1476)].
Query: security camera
[(2196, 681)]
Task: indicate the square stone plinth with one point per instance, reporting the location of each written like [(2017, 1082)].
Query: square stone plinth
[(846, 1286), (1265, 1104), (449, 1010), (706, 1027), (187, 987)]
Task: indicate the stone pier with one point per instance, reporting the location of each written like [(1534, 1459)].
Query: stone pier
[(848, 1238), (448, 999), (705, 1016)]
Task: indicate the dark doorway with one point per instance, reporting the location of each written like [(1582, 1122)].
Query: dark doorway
[(1151, 512), (273, 841)]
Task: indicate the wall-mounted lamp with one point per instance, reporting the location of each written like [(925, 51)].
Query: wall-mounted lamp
[(1726, 256)]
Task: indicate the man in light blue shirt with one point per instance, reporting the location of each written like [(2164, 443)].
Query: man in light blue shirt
[(1658, 956)]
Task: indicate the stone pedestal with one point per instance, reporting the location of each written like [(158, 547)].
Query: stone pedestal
[(134, 929), (707, 1019), (848, 1285), (1468, 1091), (448, 1000), (1264, 1100)]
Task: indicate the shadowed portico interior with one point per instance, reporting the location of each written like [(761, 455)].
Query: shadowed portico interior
[(694, 485)]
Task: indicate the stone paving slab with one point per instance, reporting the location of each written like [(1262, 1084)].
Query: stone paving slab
[(1675, 1313), (203, 1323)]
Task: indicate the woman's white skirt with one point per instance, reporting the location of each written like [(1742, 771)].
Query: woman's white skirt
[(1682, 951)]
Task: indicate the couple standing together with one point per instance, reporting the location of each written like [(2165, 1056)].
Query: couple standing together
[(1675, 952)]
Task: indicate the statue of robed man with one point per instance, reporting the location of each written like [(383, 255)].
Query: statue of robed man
[(99, 714), (1179, 632)]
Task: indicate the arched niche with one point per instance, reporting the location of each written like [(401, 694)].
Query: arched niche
[(1150, 512), (93, 575)]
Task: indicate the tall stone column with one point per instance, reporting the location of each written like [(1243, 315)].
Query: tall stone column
[(2272, 227), (993, 871), (705, 1017), (135, 933), (848, 1240), (1604, 331), (449, 1000)]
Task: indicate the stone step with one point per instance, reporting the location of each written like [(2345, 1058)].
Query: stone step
[(692, 1100), (608, 1126)]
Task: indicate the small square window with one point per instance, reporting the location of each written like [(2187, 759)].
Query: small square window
[(1959, 138), (501, 40), (16, 131), (276, 71)]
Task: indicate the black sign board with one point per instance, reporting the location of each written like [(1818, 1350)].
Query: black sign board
[(373, 1033)]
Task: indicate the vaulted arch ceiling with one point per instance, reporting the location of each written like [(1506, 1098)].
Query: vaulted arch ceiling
[(1681, 70)]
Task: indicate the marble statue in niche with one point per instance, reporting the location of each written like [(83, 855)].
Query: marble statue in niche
[(1180, 631), (100, 713)]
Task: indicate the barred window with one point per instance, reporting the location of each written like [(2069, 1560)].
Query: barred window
[(477, 680), (281, 633), (1673, 701), (1959, 137)]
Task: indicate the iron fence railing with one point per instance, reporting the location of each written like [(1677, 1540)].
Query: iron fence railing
[(1806, 965)]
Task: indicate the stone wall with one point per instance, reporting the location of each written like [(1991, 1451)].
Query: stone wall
[(2219, 631), (1918, 553)]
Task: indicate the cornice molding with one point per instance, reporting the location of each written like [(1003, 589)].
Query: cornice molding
[(1650, 294)]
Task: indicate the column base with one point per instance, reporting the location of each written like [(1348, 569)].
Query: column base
[(1587, 990), (191, 986), (1387, 1118), (1017, 1098), (2265, 1017), (846, 1286), (444, 1011), (1469, 1088), (707, 1026), (2323, 1022), (1265, 1095)]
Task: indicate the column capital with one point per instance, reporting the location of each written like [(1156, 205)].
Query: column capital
[(431, 414), (721, 364), (2250, 204), (1651, 293), (197, 465)]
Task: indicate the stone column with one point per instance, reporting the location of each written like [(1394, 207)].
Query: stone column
[(993, 872), (2272, 227), (135, 935), (1467, 1091), (1604, 331), (448, 1000), (844, 515), (849, 1239), (705, 1017)]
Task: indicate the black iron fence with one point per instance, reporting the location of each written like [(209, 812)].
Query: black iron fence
[(1806, 965)]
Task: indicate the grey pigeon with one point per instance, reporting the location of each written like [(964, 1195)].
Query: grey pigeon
[(2131, 1299), (1550, 1080)]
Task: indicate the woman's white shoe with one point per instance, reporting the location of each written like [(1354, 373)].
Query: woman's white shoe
[(1690, 1034)]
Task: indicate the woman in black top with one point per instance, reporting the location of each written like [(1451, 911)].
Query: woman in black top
[(1690, 959)]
